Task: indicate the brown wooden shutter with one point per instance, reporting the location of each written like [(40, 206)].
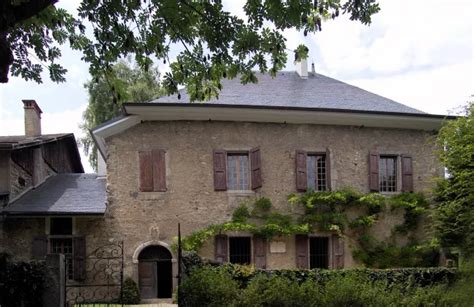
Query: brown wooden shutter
[(220, 246), (260, 252), (374, 171), (301, 179), (39, 247), (79, 258), (338, 252), (220, 174), (407, 174), (328, 169), (146, 171), (159, 170), (301, 242), (256, 168)]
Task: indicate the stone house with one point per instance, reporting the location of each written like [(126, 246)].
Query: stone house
[(169, 161), (43, 189)]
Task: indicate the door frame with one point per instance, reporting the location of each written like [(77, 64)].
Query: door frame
[(174, 261)]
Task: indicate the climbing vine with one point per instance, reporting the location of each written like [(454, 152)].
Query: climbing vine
[(328, 211)]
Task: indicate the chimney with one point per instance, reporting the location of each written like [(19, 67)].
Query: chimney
[(302, 68), (313, 70), (32, 118)]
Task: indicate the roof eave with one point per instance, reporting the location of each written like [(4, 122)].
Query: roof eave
[(296, 115)]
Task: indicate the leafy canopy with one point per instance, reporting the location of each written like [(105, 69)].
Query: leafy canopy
[(455, 211), (130, 84), (214, 43)]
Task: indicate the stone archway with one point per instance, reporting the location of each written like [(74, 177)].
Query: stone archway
[(155, 271)]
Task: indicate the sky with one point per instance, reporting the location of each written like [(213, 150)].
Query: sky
[(416, 52)]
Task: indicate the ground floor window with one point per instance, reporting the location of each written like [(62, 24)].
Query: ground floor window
[(319, 252), (240, 250), (61, 241), (63, 246)]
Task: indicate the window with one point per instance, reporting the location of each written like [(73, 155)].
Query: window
[(313, 171), (63, 246), (316, 172), (239, 250), (388, 173), (319, 252), (61, 242), (238, 172), (61, 226)]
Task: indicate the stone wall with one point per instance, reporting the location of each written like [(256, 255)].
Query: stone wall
[(141, 218), (137, 217)]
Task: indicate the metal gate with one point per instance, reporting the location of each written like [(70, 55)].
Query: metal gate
[(103, 279)]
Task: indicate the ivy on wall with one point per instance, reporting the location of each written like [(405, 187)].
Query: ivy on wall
[(328, 212)]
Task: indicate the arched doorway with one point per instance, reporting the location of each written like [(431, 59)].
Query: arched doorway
[(155, 276)]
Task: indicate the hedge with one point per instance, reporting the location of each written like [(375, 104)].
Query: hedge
[(21, 283), (234, 285)]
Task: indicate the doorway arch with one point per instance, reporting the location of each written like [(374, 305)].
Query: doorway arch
[(155, 278)]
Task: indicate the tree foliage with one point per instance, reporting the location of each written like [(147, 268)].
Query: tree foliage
[(214, 43), (130, 84), (455, 211)]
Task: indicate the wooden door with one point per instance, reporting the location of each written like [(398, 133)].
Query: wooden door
[(147, 279)]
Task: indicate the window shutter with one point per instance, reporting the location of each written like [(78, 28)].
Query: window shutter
[(260, 252), (374, 171), (39, 247), (301, 179), (220, 175), (407, 174), (328, 169), (159, 170), (256, 168), (220, 244), (79, 254), (146, 171), (338, 252), (301, 242)]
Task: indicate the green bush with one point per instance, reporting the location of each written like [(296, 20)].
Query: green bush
[(234, 285), (208, 287), (130, 292), (269, 291), (22, 283)]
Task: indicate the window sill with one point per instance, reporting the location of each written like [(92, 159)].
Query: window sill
[(390, 193), (241, 193)]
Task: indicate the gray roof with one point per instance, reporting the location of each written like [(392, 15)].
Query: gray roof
[(63, 194), (14, 141), (287, 89)]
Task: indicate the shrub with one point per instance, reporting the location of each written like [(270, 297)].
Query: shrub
[(208, 287), (273, 291), (22, 283), (235, 285), (241, 214), (130, 292)]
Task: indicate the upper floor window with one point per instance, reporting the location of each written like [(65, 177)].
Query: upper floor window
[(390, 173), (313, 171), (237, 170), (316, 172)]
